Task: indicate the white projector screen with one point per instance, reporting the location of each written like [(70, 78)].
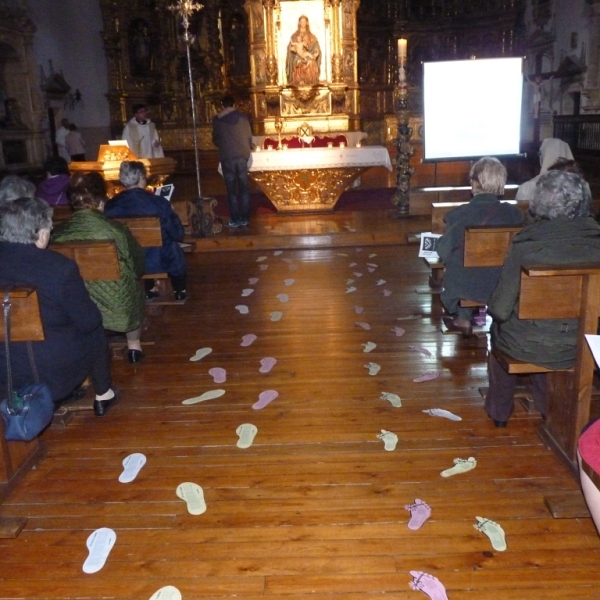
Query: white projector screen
[(472, 108)]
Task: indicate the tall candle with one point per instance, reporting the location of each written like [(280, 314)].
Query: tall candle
[(402, 45)]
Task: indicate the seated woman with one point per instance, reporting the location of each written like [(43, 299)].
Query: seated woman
[(135, 201), (562, 233), (488, 177), (75, 343), (550, 151), (588, 451), (54, 188), (13, 187), (121, 302)]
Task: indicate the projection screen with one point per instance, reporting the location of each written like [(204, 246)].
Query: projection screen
[(472, 108)]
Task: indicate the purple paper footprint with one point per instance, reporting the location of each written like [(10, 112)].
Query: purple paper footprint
[(219, 375), (265, 398)]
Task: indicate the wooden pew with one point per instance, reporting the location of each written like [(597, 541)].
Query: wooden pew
[(97, 260), (562, 292), (148, 233), (17, 458)]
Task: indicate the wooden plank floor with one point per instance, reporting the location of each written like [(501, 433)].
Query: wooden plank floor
[(315, 507)]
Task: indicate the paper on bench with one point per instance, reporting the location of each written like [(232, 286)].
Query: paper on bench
[(428, 246), (594, 344)]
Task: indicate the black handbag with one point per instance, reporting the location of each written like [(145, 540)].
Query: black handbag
[(28, 411)]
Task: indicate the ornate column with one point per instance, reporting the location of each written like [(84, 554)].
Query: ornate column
[(336, 54), (271, 58)]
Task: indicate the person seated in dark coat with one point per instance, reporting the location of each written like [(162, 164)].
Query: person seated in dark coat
[(488, 177), (563, 233), (13, 187), (75, 343), (54, 188), (121, 301), (136, 201)]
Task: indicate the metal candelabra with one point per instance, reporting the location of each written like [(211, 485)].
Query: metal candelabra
[(185, 9), (404, 151)]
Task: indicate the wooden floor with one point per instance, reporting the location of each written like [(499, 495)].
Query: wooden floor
[(314, 508)]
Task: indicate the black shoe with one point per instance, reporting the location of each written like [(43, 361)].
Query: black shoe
[(500, 424), (101, 407), (181, 295), (135, 356)]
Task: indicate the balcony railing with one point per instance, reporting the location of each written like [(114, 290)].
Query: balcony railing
[(581, 132)]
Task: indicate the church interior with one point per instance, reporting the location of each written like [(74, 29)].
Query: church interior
[(302, 425)]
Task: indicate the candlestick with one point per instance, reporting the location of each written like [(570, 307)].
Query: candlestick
[(402, 48)]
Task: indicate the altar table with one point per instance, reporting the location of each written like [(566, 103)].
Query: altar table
[(312, 179)]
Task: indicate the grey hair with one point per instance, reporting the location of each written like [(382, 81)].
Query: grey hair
[(22, 219), (131, 172), (13, 187), (560, 194), (488, 175)]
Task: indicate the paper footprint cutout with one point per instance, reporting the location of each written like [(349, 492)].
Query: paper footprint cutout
[(242, 309), (365, 326), (389, 440), (393, 399), (261, 258), (265, 398), (398, 331), (409, 317), (288, 260), (374, 368), (427, 376), (247, 432), (218, 374), (132, 465), (248, 339), (263, 267), (372, 265), (380, 282), (292, 267), (276, 316), (387, 293), (246, 292), (210, 395), (349, 281), (371, 269), (168, 592), (253, 280), (99, 544), (283, 297), (358, 310), (266, 364), (420, 350), (369, 346), (440, 412), (372, 255), (193, 495), (419, 513), (493, 531), (200, 354), (357, 274), (428, 584), (277, 252), (352, 264), (461, 465), (289, 282)]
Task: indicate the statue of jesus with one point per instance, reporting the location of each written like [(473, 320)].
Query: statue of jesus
[(303, 64)]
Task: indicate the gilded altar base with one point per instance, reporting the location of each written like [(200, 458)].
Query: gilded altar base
[(305, 190)]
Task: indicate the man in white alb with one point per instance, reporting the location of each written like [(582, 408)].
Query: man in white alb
[(141, 135)]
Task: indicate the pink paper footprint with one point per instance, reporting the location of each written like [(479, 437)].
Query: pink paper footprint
[(427, 376), (265, 398), (358, 310), (420, 349), (398, 331), (419, 513), (219, 375), (363, 325), (428, 584), (248, 339), (253, 280), (267, 364)]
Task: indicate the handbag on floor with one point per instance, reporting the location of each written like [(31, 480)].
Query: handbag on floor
[(28, 411)]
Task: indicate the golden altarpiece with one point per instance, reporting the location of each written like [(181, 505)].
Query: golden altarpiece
[(240, 47)]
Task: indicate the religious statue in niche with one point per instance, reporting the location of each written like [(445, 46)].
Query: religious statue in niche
[(303, 64), (140, 48), (537, 85)]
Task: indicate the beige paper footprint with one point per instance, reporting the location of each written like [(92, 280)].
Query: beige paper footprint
[(193, 495)]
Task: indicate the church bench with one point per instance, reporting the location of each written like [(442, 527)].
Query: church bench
[(17, 458), (562, 292), (97, 260)]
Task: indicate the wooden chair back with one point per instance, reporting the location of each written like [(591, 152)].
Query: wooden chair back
[(25, 320), (97, 260), (487, 246), (146, 230), (61, 213)]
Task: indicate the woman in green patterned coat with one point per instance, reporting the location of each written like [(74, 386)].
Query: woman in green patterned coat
[(121, 302)]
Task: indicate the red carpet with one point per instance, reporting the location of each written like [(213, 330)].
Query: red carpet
[(367, 199)]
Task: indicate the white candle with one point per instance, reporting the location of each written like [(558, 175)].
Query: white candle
[(402, 45)]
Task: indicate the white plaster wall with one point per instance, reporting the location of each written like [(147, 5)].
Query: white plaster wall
[(68, 34)]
